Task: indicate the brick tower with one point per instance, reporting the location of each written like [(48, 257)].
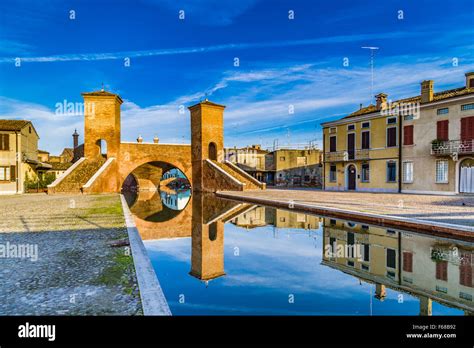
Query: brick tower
[(101, 124), (207, 138), (207, 253)]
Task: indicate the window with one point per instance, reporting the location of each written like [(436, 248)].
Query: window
[(441, 289), (365, 267), (282, 219), (442, 270), (366, 251), (350, 263), (366, 140), (300, 161), (332, 144), (442, 171), (407, 172), (351, 127), (391, 120), (408, 135), (408, 117), (333, 174), (332, 222), (442, 111), (5, 174), (391, 171), (282, 158), (365, 172), (465, 296), (365, 124), (350, 238), (365, 227), (29, 129), (467, 128), (332, 130), (465, 270), (392, 137), (4, 142), (467, 107), (442, 130), (391, 262), (332, 243), (408, 262)]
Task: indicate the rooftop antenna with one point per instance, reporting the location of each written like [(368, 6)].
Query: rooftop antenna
[(372, 57)]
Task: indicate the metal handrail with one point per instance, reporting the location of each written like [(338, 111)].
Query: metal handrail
[(449, 147)]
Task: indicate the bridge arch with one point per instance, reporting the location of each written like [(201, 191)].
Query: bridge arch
[(137, 155)]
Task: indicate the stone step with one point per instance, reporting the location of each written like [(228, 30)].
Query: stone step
[(79, 176), (249, 185)]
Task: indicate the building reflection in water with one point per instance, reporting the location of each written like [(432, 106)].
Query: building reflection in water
[(426, 267), (420, 265)]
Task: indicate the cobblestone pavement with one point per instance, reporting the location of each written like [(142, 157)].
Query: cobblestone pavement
[(68, 265), (457, 210)]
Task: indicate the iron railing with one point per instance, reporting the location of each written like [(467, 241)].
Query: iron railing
[(451, 147), (344, 156)]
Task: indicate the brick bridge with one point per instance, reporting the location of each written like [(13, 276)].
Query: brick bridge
[(108, 162)]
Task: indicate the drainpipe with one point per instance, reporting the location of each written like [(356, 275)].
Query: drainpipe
[(399, 257), (400, 129), (323, 174), (17, 157)]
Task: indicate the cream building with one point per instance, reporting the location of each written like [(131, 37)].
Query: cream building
[(420, 144), (18, 155), (438, 146)]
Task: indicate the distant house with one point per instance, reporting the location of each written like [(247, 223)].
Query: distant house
[(285, 166), (19, 157)]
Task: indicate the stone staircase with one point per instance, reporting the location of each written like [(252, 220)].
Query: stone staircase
[(74, 181), (242, 177)]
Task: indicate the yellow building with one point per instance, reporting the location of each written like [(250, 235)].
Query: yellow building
[(280, 167), (295, 167), (249, 158), (420, 144), (420, 265), (19, 160), (361, 150)]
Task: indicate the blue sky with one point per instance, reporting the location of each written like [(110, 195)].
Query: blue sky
[(177, 62)]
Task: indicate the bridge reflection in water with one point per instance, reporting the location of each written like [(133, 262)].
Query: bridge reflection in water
[(273, 254)]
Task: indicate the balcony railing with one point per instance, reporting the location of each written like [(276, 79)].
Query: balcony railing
[(345, 156), (451, 147)]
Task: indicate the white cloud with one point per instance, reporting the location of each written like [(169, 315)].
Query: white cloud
[(212, 48)]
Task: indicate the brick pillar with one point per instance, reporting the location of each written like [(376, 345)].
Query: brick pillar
[(207, 138), (101, 122), (207, 253)]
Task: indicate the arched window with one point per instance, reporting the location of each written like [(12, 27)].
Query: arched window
[(102, 147), (212, 151)]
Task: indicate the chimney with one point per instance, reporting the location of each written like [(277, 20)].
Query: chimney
[(470, 79), (381, 99), (139, 139), (75, 139), (155, 139), (427, 91)]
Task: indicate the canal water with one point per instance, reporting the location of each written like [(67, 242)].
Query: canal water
[(221, 257)]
